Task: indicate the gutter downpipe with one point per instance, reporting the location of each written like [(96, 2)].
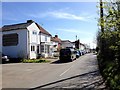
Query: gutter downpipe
[(40, 43), (28, 47)]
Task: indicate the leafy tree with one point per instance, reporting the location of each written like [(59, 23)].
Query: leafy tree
[(108, 41)]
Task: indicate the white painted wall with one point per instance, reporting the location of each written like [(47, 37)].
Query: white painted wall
[(21, 49), (52, 48), (52, 44), (43, 38), (82, 47), (34, 39), (46, 41)]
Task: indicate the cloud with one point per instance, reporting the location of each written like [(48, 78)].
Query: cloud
[(75, 31), (64, 15), (60, 14)]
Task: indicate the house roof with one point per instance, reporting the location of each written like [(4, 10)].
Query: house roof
[(43, 30), (53, 39), (56, 39), (23, 26), (66, 41), (16, 26)]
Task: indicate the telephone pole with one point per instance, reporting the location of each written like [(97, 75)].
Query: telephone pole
[(101, 16), (76, 37)]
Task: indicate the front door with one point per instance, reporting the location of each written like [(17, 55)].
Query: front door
[(38, 49)]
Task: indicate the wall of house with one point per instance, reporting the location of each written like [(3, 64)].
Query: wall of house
[(34, 40), (45, 38), (53, 48), (20, 49), (82, 47)]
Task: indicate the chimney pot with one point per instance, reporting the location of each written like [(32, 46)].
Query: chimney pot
[(29, 21), (56, 36)]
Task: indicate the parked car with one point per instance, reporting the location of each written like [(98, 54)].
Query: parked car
[(81, 51), (67, 54), (78, 53), (4, 58), (56, 54)]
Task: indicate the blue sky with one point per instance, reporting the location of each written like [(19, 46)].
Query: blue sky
[(67, 19)]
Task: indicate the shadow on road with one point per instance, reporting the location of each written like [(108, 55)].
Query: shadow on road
[(87, 86), (59, 62)]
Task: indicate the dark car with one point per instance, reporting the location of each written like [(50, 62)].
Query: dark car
[(4, 58), (67, 54)]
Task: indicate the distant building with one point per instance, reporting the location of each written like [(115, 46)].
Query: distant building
[(79, 45), (67, 44)]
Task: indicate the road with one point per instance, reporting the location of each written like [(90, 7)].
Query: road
[(81, 73)]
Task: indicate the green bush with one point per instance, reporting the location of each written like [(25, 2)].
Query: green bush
[(108, 41), (109, 58), (35, 61)]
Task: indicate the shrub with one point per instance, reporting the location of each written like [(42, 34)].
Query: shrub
[(35, 61)]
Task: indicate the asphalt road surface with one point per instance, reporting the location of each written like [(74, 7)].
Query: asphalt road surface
[(81, 73)]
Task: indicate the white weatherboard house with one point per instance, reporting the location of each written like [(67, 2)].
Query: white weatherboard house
[(25, 40)]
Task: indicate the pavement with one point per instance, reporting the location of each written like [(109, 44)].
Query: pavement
[(82, 73)]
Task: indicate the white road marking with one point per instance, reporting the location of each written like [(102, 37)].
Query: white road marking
[(66, 70)]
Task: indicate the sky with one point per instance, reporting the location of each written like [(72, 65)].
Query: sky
[(66, 19)]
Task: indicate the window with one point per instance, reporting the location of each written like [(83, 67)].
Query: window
[(42, 48), (32, 48), (45, 48), (34, 32), (45, 38), (10, 39)]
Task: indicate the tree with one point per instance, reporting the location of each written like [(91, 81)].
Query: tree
[(108, 41)]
